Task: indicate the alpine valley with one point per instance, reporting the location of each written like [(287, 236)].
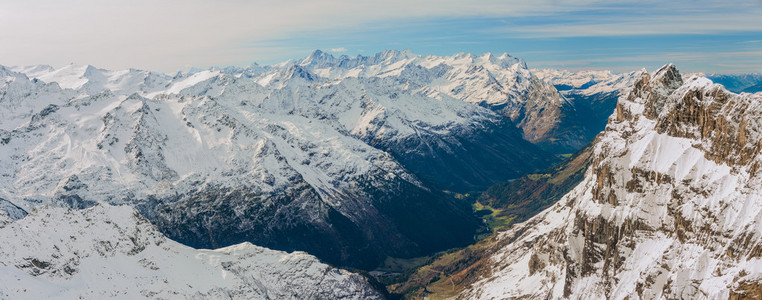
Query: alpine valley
[(112, 179), (669, 208)]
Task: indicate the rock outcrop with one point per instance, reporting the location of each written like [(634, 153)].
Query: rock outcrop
[(670, 207)]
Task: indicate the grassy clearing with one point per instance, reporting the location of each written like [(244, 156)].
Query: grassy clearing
[(492, 217), (536, 177)]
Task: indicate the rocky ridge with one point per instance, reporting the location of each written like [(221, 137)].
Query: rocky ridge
[(669, 207)]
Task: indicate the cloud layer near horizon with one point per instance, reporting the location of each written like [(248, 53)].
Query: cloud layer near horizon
[(169, 35)]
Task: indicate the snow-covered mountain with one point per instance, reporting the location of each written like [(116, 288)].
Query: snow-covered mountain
[(216, 159), (342, 157), (113, 252), (502, 83), (588, 82), (671, 206)]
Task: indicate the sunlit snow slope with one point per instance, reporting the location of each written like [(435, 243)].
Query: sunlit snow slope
[(113, 252)]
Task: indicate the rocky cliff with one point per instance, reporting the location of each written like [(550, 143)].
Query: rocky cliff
[(670, 206)]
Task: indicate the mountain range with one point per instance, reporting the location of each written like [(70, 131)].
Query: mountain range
[(359, 160), (348, 158)]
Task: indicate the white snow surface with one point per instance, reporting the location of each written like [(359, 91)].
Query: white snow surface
[(588, 82), (654, 218), (139, 133), (113, 252)]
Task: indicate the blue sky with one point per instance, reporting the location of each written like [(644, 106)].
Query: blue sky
[(170, 35)]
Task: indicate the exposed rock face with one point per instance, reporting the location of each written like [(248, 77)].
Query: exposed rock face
[(670, 207), (105, 252), (10, 210)]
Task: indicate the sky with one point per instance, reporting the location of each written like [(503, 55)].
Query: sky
[(174, 35)]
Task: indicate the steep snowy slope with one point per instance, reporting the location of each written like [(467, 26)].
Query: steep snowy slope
[(11, 210), (113, 252), (670, 207)]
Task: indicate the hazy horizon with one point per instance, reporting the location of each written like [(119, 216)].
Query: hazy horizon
[(698, 36)]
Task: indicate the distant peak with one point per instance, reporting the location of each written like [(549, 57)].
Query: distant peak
[(297, 71), (90, 70), (320, 53), (318, 58), (393, 55), (504, 60)]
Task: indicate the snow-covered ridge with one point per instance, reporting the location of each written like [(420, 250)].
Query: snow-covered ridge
[(500, 82), (112, 252), (588, 82), (670, 207)]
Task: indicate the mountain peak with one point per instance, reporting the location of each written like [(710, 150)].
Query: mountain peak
[(318, 59), (392, 55), (653, 89), (668, 76), (320, 54), (297, 71)]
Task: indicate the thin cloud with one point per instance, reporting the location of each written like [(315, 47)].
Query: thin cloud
[(170, 34), (340, 49), (166, 35)]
